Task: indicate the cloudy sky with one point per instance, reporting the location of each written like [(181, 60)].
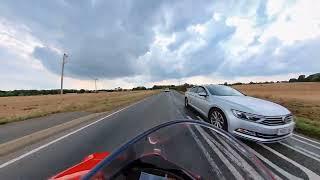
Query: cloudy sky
[(144, 42)]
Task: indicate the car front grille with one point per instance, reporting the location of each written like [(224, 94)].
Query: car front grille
[(277, 120)]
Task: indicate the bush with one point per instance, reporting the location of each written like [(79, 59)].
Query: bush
[(139, 88), (293, 80)]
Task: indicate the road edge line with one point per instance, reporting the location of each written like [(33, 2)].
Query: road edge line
[(11, 146), (310, 173), (303, 152), (306, 138)]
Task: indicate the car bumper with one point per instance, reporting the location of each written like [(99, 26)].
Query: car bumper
[(261, 140), (259, 132)]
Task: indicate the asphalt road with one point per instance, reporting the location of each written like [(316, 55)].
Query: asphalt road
[(19, 129), (296, 158)]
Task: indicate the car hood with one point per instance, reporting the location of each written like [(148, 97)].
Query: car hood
[(255, 105)]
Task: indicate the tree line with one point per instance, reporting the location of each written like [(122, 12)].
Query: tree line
[(33, 92), (303, 78), (183, 87)]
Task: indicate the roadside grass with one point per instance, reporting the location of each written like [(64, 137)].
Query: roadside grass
[(14, 109), (307, 127)]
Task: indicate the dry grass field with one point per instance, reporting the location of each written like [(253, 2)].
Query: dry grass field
[(302, 99), (25, 107)]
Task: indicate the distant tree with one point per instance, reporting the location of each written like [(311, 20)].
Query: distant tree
[(225, 83), (82, 91), (237, 83), (293, 80), (118, 89), (302, 78), (139, 88), (313, 77), (157, 87)]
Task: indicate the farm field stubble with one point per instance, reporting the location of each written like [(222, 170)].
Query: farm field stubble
[(25, 107)]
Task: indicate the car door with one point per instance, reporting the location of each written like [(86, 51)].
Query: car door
[(192, 96), (202, 101)]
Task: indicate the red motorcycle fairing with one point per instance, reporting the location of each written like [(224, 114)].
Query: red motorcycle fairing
[(81, 169)]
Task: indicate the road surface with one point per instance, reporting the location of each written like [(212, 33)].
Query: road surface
[(296, 158), (19, 129)]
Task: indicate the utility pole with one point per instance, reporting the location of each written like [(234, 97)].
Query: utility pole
[(95, 84), (62, 69)]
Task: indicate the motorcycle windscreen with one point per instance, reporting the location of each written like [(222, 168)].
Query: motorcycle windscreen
[(189, 148)]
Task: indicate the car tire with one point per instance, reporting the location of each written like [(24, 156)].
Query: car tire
[(186, 104), (218, 119)]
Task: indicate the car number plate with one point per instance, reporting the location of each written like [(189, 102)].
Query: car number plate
[(283, 131)]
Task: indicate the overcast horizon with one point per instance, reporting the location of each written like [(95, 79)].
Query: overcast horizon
[(128, 43)]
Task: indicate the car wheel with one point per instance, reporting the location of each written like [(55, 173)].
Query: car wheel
[(218, 119), (186, 104)]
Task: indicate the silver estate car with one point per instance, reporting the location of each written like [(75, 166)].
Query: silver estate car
[(243, 116)]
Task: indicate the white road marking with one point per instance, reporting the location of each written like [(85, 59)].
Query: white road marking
[(225, 160), (206, 154), (316, 142), (199, 118), (296, 139), (189, 117), (62, 137), (228, 164), (310, 173), (303, 151), (274, 166), (233, 153)]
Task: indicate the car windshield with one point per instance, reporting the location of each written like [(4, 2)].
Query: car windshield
[(223, 91), (193, 147)]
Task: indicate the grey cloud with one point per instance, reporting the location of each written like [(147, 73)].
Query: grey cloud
[(300, 57), (112, 39), (180, 14), (16, 73), (193, 62), (49, 58), (103, 39)]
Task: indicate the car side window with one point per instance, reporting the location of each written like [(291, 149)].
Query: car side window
[(201, 89), (194, 89)]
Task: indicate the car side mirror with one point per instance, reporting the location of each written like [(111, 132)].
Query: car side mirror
[(203, 94)]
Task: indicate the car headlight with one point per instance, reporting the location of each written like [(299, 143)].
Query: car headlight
[(246, 116)]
